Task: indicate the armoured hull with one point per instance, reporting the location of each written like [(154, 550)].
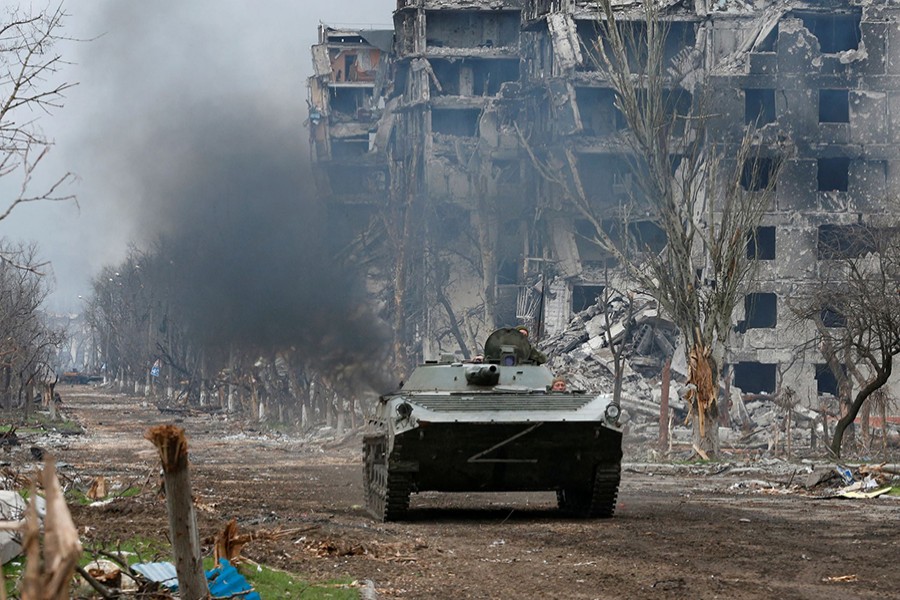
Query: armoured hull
[(510, 434)]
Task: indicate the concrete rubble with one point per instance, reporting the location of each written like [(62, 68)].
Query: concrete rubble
[(754, 425)]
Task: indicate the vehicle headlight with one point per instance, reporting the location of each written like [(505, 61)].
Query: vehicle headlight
[(612, 413), (404, 409)]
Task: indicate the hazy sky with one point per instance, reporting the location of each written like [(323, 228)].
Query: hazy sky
[(148, 73)]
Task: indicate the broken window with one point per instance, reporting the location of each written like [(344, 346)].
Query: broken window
[(761, 310), (459, 122), (826, 382), (589, 250), (584, 296), (342, 148), (679, 36), (843, 241), (647, 236), (768, 43), (759, 106), (834, 174), (832, 318), (761, 243), (507, 272), (473, 77), (606, 178), (836, 32), (472, 28), (755, 377), (834, 106), (757, 173), (599, 115), (351, 102)]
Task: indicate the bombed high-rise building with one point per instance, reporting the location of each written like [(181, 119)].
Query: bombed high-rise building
[(425, 141)]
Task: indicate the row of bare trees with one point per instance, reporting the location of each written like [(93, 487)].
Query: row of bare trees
[(28, 346), (145, 344)]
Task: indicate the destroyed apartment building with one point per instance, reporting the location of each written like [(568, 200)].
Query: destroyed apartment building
[(423, 141)]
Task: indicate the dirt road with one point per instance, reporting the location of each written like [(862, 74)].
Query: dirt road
[(676, 534)]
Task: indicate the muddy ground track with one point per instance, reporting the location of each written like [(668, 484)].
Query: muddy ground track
[(675, 535)]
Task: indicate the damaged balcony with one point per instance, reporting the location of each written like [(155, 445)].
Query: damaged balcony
[(345, 91)]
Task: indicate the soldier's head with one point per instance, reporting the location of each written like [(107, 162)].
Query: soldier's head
[(522, 329), (558, 385)]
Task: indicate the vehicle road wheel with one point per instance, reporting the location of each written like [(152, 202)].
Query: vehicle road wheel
[(606, 491), (387, 493), (599, 500)]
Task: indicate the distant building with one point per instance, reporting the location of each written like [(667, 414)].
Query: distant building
[(418, 144)]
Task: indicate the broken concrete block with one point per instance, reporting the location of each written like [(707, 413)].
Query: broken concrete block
[(818, 475)]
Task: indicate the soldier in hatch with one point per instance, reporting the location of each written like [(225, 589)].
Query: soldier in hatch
[(558, 385), (534, 355)]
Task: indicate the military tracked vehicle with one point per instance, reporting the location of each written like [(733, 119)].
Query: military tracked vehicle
[(492, 427)]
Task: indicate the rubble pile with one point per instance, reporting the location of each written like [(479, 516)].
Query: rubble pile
[(758, 424)]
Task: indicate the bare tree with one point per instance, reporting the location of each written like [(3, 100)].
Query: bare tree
[(859, 293), (707, 196), (27, 343), (29, 87)]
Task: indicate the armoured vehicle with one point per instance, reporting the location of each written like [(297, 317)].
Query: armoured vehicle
[(491, 427)]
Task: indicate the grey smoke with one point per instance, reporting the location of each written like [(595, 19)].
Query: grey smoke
[(206, 149)]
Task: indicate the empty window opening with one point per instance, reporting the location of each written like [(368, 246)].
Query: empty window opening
[(472, 29), (585, 296), (844, 241), (755, 377), (761, 245), (832, 318), (508, 272), (757, 174), (678, 108), (605, 177), (761, 310), (647, 236), (834, 174), (349, 147), (473, 77), (834, 106), (679, 35), (455, 122), (768, 43), (353, 102), (589, 250), (599, 114), (826, 382), (835, 32), (759, 106)]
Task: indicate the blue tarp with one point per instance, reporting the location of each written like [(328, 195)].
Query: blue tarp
[(224, 581)]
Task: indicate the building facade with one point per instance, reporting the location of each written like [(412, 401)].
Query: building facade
[(426, 152)]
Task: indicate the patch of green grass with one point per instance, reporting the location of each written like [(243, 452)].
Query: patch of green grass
[(274, 583), (895, 491), (39, 422), (12, 571), (132, 551)]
